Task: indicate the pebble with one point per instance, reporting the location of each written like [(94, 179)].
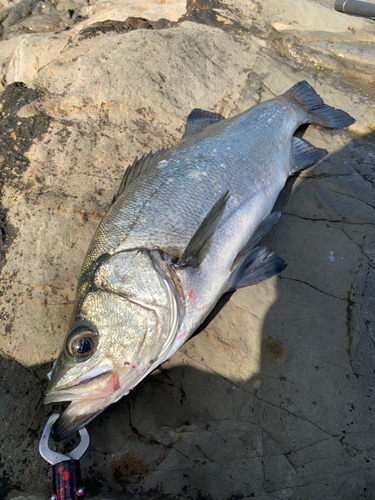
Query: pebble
[(43, 8), (68, 5)]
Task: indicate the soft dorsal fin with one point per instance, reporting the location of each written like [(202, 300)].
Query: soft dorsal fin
[(199, 244), (139, 167), (198, 120), (305, 155)]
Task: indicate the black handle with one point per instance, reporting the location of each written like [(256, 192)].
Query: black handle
[(354, 7), (65, 477)]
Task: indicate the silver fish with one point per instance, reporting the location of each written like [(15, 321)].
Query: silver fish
[(183, 229)]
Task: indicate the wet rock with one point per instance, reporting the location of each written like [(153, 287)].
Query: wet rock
[(3, 14), (274, 351), (113, 27)]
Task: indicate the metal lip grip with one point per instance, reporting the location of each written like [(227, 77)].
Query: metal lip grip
[(65, 467)]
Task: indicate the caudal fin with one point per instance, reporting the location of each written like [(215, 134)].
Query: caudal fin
[(319, 113)]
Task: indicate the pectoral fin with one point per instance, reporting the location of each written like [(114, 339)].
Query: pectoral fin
[(200, 243)]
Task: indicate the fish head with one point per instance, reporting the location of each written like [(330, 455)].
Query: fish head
[(125, 320)]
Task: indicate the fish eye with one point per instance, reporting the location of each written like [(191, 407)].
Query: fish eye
[(81, 343)]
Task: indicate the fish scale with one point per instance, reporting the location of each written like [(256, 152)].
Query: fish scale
[(184, 228), (130, 223)]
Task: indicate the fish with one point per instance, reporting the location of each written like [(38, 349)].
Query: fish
[(183, 229)]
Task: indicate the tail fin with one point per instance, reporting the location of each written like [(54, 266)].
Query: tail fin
[(319, 113)]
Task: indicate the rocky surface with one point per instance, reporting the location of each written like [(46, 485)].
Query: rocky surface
[(273, 398)]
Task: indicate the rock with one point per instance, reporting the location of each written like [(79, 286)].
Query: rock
[(48, 22), (32, 53), (22, 62), (20, 11), (43, 8), (305, 16), (27, 497), (68, 5), (273, 398)]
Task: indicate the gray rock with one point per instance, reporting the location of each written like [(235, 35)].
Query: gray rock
[(19, 11), (22, 57), (43, 8), (273, 398), (38, 23), (27, 497), (4, 14), (68, 5)]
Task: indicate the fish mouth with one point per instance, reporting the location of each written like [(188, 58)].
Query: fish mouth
[(88, 398)]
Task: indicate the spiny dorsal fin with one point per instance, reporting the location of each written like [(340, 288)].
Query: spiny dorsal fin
[(260, 231), (198, 120), (200, 243), (139, 167), (255, 267), (305, 155)]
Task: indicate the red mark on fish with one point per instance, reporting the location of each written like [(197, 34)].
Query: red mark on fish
[(189, 296), (111, 383), (181, 336)]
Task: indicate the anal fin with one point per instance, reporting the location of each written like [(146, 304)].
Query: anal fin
[(255, 267), (305, 155), (260, 231)]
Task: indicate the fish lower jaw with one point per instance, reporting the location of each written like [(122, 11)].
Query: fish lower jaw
[(78, 414), (92, 396), (56, 397)]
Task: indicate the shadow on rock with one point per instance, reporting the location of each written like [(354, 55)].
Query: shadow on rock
[(316, 377), (307, 414), (301, 427)]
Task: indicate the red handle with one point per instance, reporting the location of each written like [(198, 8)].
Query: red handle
[(65, 476)]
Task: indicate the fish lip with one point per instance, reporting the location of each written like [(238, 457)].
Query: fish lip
[(84, 404), (76, 392)]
